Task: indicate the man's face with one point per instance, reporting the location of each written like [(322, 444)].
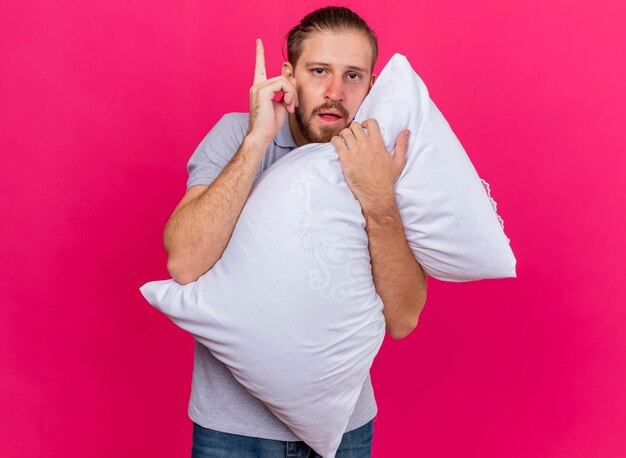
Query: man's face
[(332, 77)]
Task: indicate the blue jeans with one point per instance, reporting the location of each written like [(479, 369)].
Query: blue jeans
[(208, 443)]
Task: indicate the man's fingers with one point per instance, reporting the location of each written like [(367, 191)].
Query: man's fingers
[(359, 132), (280, 84), (339, 144), (372, 127), (276, 84), (401, 146), (259, 69), (287, 97), (290, 96), (348, 137)]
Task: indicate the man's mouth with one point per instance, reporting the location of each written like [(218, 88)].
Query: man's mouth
[(329, 117)]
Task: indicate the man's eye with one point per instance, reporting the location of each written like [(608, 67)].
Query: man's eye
[(315, 70), (354, 76)]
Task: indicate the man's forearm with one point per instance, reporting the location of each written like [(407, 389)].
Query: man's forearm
[(198, 232), (398, 277)]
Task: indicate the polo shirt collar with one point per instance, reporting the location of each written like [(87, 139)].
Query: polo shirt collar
[(283, 138)]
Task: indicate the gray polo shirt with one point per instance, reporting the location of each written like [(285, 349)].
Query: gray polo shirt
[(218, 401)]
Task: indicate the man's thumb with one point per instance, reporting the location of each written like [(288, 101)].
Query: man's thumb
[(402, 144)]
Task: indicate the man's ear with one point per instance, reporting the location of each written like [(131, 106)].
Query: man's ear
[(373, 80), (288, 72)]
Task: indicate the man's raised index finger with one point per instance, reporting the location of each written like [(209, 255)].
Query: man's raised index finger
[(259, 69)]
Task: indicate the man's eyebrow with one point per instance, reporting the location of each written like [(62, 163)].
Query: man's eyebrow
[(324, 64)]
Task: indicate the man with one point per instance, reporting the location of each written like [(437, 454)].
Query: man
[(331, 57)]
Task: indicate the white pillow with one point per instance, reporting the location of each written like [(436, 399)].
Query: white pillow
[(449, 219), (290, 308)]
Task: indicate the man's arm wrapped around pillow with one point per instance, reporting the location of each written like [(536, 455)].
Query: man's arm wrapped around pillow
[(371, 171)]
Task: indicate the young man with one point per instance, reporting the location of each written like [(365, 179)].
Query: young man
[(331, 57)]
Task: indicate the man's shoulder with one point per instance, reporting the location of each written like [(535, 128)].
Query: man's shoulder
[(234, 119), (228, 131)]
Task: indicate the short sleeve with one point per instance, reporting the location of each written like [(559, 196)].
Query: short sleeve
[(217, 149)]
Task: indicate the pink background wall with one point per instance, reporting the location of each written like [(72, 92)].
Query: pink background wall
[(101, 105)]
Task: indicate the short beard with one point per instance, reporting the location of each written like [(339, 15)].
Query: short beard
[(323, 136)]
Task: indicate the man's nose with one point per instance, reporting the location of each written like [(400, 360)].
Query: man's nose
[(334, 90)]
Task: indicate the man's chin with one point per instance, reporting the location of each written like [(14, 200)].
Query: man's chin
[(325, 138), (326, 133), (317, 132)]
